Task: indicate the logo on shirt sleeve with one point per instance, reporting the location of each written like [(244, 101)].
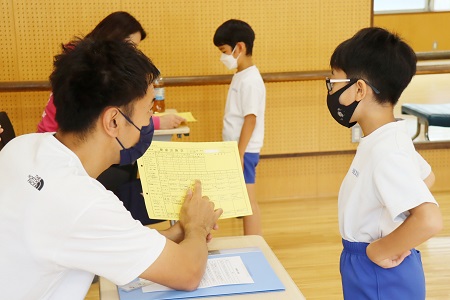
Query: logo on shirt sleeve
[(355, 172), (36, 181)]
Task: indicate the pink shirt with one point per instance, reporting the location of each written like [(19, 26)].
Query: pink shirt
[(48, 122)]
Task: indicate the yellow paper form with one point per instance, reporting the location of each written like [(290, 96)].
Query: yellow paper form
[(168, 169), (186, 115)]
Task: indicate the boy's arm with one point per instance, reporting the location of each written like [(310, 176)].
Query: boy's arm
[(425, 170), (246, 134), (423, 222), (429, 181)]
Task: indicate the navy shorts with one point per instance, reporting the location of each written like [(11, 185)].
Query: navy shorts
[(363, 279), (250, 162)]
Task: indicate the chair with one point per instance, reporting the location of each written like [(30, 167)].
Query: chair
[(8, 130), (113, 177), (428, 115)]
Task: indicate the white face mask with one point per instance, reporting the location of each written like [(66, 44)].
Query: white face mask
[(229, 61)]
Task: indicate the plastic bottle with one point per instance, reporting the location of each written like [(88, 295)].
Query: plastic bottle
[(160, 95)]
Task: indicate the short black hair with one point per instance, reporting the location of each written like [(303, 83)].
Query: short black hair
[(233, 31), (380, 57), (91, 75), (117, 26)]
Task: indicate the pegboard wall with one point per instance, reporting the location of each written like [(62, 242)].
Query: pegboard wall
[(439, 159), (423, 31), (291, 35), (321, 176), (301, 177)]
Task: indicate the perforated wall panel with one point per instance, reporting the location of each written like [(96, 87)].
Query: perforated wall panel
[(291, 35)]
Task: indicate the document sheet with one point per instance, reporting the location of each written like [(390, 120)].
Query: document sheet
[(219, 271), (186, 115), (168, 169), (224, 276)]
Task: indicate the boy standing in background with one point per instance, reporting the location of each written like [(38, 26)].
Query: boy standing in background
[(385, 205), (244, 110)]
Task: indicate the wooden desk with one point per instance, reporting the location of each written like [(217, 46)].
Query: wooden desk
[(165, 135), (108, 290)]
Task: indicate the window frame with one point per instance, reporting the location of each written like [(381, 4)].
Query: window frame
[(429, 7)]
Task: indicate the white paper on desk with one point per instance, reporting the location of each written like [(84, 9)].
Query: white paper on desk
[(219, 271)]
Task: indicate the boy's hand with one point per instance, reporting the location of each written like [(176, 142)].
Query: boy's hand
[(197, 213), (242, 160), (385, 263)]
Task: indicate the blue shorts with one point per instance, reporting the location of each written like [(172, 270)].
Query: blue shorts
[(250, 162), (363, 279)]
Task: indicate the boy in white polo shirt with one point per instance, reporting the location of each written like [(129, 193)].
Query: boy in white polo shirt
[(385, 205), (244, 110)]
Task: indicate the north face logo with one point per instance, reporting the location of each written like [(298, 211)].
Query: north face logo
[(36, 181)]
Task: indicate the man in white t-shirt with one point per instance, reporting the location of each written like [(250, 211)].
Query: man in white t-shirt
[(385, 205), (243, 119), (58, 225)]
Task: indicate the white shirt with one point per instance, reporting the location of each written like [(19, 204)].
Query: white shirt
[(246, 95), (59, 227), (384, 181)]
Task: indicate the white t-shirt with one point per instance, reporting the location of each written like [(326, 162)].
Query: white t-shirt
[(59, 227), (384, 181), (246, 95)]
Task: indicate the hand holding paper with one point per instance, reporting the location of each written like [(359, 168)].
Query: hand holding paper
[(187, 116), (170, 121)]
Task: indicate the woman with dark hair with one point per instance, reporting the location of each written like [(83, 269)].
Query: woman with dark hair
[(121, 26)]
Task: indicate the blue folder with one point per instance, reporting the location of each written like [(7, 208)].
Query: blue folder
[(265, 280)]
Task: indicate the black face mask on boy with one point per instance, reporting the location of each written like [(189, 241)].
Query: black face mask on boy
[(341, 113)]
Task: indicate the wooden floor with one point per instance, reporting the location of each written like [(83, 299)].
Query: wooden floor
[(304, 235)]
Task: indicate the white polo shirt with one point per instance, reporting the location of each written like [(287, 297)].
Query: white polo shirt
[(59, 227), (384, 181), (246, 95)]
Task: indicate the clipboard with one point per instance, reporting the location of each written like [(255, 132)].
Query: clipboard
[(265, 280)]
